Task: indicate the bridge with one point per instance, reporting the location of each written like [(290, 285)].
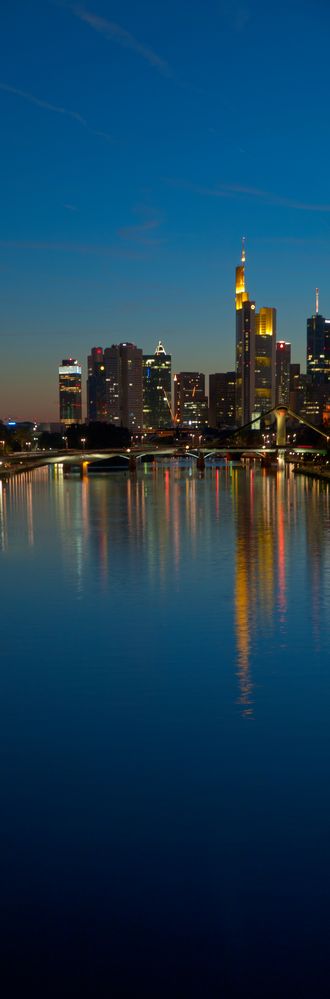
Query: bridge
[(81, 462)]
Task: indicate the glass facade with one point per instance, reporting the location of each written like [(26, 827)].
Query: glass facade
[(190, 401), (69, 374), (157, 394), (222, 388), (96, 387), (318, 349), (283, 361), (265, 360)]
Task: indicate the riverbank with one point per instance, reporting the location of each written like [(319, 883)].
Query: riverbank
[(313, 471)]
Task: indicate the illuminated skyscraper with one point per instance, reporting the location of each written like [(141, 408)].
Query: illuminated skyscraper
[(283, 362), (245, 347), (157, 388), (265, 360), (222, 387), (114, 386), (96, 387), (131, 387), (69, 374), (318, 347), (297, 395), (112, 383), (190, 401)]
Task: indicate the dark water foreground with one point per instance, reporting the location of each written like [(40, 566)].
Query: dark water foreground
[(165, 735)]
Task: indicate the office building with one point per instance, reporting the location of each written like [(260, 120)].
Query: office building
[(222, 388), (69, 374), (114, 386), (131, 387), (190, 401), (245, 348), (112, 368), (265, 360), (318, 347), (297, 394), (283, 362), (96, 387), (157, 403)]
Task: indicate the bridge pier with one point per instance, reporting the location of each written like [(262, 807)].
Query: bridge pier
[(200, 462), (74, 466), (281, 415), (132, 464)]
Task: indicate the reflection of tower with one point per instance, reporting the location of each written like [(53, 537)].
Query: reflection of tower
[(245, 347), (255, 505), (317, 509), (3, 517)]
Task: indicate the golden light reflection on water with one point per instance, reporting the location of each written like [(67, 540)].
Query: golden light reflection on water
[(166, 518), (260, 567)]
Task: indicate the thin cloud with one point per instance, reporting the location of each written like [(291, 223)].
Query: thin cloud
[(57, 109), (238, 190), (71, 208), (115, 33), (140, 233), (83, 249), (43, 104)]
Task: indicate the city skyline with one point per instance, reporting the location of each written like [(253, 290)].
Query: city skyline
[(122, 219)]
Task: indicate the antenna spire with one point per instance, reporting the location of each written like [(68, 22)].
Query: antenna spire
[(317, 300), (243, 250)]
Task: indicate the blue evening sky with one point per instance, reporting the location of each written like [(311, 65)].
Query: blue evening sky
[(139, 142)]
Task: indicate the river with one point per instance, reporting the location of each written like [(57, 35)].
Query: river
[(165, 737)]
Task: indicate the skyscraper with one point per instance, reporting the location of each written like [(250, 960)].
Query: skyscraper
[(112, 366), (69, 373), (318, 347), (245, 347), (131, 387), (114, 386), (190, 401), (265, 360), (96, 387), (157, 388), (283, 362), (297, 395), (222, 386)]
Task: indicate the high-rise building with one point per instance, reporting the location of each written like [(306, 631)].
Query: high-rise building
[(131, 387), (255, 354), (112, 366), (318, 347), (69, 374), (265, 360), (297, 389), (114, 386), (245, 347), (283, 362), (96, 387), (157, 388), (190, 401), (222, 388)]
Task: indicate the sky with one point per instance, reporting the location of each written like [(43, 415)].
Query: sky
[(140, 142)]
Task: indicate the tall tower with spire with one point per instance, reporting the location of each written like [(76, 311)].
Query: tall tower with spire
[(318, 347), (245, 347)]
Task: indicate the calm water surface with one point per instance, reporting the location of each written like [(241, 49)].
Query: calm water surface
[(165, 735)]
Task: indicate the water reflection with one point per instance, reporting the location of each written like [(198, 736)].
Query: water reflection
[(262, 516), (168, 529)]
